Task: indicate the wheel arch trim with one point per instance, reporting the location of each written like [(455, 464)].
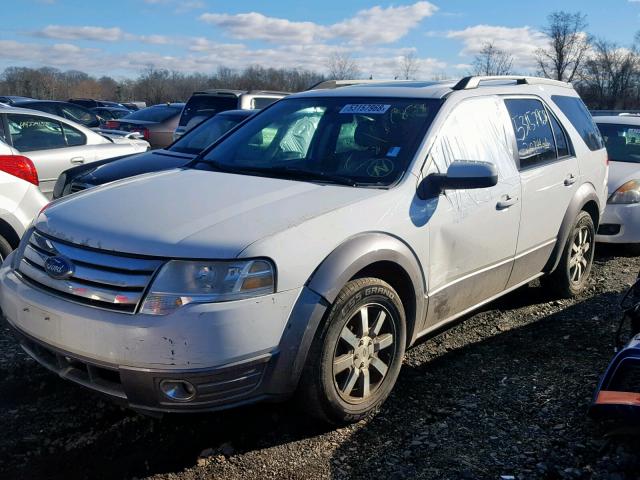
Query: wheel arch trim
[(584, 195)]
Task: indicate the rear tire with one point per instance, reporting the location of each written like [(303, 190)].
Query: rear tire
[(633, 249), (572, 273), (5, 248), (356, 356)]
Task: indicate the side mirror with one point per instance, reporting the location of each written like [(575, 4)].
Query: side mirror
[(460, 175)]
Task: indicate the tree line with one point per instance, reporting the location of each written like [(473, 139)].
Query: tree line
[(605, 73)]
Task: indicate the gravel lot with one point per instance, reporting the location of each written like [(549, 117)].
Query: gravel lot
[(503, 394)]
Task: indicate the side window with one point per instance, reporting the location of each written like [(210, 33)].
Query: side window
[(74, 137), (561, 138), (476, 130), (31, 132), (532, 127), (261, 102), (580, 118), (77, 114)]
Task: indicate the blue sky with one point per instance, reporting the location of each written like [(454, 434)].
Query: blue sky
[(123, 37)]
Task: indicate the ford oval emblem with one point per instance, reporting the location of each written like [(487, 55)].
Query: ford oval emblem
[(58, 267)]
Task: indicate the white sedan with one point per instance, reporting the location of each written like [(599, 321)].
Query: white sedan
[(20, 199), (54, 144), (621, 219)]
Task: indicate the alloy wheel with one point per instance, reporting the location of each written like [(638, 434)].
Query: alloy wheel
[(364, 352), (580, 254)]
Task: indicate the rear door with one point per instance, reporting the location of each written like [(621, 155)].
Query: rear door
[(473, 233), (549, 174), (53, 146)]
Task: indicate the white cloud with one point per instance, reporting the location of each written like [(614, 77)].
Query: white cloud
[(61, 32), (521, 42), (203, 55), (375, 25)]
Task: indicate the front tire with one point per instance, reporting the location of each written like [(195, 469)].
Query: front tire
[(356, 356), (5, 249), (572, 273)]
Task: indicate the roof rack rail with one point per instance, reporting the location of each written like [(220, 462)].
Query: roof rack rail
[(468, 83), (330, 84)]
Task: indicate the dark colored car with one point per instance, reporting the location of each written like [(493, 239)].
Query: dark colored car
[(206, 104), (67, 110), (110, 113), (177, 155), (9, 99), (155, 123), (91, 103)]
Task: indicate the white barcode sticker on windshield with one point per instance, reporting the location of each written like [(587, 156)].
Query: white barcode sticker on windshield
[(371, 108)]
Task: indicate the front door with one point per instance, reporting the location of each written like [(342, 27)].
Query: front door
[(473, 233)]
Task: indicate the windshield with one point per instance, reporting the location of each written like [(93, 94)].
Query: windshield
[(157, 113), (355, 141), (206, 133), (201, 107), (622, 142)]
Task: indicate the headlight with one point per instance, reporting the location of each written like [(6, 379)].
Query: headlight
[(627, 193), (182, 282)]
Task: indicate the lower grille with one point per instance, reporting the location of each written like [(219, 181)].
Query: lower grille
[(99, 279), (98, 378), (609, 229)]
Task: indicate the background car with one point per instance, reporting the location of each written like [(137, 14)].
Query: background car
[(621, 219), (110, 113), (75, 113), (9, 99), (181, 152), (54, 143), (91, 103), (205, 104), (20, 199), (156, 123)]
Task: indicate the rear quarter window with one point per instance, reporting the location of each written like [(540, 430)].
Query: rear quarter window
[(580, 118)]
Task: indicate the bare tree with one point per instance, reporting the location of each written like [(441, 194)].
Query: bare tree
[(492, 61), (611, 74), (342, 66), (408, 66), (566, 53)]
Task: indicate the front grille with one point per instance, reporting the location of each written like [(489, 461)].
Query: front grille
[(626, 377), (100, 279), (609, 229), (77, 187)]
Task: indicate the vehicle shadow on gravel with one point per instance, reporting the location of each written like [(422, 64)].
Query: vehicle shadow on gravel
[(505, 392), (511, 404)]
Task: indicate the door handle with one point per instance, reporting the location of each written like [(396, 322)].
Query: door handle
[(506, 202), (77, 160), (570, 180)]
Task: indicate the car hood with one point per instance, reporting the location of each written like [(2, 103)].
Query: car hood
[(130, 166), (191, 213), (621, 172)]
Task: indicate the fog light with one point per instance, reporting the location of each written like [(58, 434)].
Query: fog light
[(180, 390)]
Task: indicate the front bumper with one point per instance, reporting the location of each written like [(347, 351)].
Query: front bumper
[(620, 223), (232, 352), (618, 393)]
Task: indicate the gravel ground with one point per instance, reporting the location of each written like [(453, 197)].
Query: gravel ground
[(502, 395)]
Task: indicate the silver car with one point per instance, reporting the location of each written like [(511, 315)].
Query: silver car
[(621, 219), (54, 144), (309, 248)]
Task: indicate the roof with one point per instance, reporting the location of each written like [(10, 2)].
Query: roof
[(244, 112), (426, 89), (618, 119), (237, 93)]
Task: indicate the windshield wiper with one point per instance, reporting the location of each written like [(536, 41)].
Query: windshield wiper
[(285, 172)]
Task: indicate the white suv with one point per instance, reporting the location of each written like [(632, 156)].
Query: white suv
[(310, 247)]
